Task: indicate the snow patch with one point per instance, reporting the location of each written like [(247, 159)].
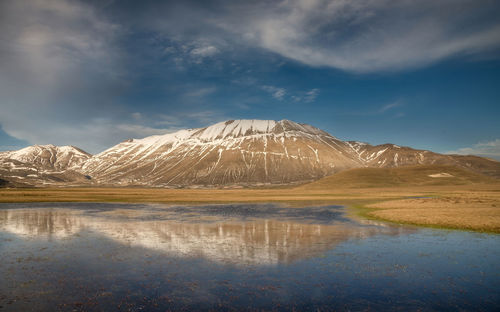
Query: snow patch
[(441, 175)]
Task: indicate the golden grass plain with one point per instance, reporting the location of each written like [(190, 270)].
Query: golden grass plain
[(472, 207)]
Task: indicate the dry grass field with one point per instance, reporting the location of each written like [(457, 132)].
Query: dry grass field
[(453, 198), (474, 210)]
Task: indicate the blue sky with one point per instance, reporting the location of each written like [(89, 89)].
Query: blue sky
[(424, 74)]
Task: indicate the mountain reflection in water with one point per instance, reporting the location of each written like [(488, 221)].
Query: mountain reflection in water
[(243, 235), (241, 257)]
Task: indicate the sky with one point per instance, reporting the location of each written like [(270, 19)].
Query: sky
[(93, 73)]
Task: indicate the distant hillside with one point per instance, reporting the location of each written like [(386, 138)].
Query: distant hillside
[(401, 176), (391, 155)]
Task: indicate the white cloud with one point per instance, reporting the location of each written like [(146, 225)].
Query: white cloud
[(374, 35), (50, 39), (306, 97), (311, 95), (204, 51), (356, 36), (59, 69), (277, 93), (189, 51), (487, 149), (201, 51)]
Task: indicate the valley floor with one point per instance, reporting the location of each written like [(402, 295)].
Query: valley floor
[(470, 207)]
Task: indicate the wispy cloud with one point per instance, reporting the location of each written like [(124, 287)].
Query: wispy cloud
[(277, 93), (300, 96), (204, 51), (488, 149), (136, 116), (199, 54), (392, 109), (358, 36), (311, 95), (201, 92), (306, 97), (189, 51), (382, 36), (390, 106)]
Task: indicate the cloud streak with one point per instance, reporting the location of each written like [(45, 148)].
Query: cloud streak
[(390, 106), (311, 95)]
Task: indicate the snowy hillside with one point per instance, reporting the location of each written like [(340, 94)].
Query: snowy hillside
[(42, 164)]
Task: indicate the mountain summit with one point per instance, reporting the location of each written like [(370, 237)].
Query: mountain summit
[(233, 152)]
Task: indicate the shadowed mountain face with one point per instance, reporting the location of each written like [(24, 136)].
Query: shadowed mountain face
[(235, 152)]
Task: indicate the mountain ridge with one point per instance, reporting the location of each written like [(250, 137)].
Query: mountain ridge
[(233, 152)]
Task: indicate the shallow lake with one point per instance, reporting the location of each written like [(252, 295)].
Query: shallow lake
[(81, 256)]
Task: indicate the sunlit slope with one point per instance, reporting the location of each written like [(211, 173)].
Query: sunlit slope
[(402, 176)]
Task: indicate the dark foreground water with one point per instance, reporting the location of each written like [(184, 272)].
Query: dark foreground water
[(236, 257)]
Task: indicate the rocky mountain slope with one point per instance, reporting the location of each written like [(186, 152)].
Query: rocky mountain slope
[(234, 152)]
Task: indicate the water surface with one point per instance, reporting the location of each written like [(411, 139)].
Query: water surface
[(83, 256)]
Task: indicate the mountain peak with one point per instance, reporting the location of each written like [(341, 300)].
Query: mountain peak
[(237, 128)]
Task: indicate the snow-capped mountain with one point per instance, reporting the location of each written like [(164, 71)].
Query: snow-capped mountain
[(230, 152), (234, 152), (43, 164)]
